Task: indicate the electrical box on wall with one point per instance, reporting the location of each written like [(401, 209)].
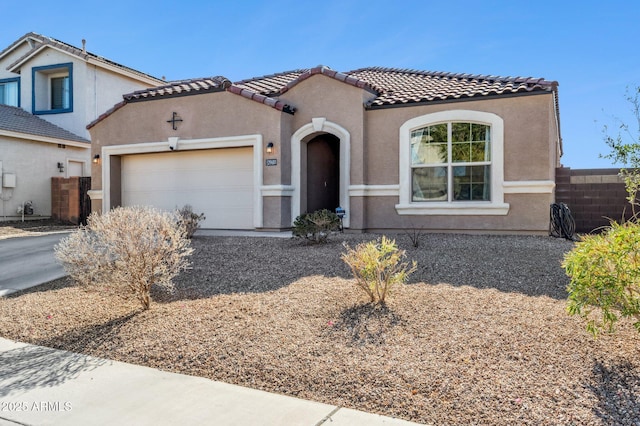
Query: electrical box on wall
[(8, 180)]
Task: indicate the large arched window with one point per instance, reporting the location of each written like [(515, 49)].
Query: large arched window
[(451, 162)]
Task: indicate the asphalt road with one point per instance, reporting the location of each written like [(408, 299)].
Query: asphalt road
[(28, 261)]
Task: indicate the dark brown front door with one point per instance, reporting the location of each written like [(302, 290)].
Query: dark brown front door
[(323, 173)]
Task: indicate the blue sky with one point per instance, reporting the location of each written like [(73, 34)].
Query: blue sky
[(589, 47)]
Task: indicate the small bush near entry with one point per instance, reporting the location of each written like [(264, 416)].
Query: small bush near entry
[(189, 219), (377, 266), (316, 226), (605, 274), (128, 247)]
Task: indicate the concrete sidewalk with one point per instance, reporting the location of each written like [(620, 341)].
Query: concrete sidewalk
[(43, 386)]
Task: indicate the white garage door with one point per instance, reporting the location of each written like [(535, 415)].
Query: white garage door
[(216, 182)]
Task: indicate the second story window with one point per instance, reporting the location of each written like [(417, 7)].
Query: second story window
[(10, 91), (60, 92), (53, 89)]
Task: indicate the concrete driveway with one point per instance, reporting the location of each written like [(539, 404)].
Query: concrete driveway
[(28, 261)]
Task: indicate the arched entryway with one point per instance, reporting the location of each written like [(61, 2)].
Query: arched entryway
[(340, 140), (323, 173)]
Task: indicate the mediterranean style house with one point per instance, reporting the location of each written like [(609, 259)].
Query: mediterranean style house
[(396, 149), (49, 92)]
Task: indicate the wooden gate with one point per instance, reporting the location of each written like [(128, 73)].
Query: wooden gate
[(69, 199), (85, 201)]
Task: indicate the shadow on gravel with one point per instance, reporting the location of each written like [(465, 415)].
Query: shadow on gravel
[(51, 285), (524, 264), (87, 339), (30, 367), (366, 324), (618, 391), (226, 265)]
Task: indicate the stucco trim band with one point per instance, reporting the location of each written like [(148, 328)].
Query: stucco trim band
[(277, 190), (254, 141), (374, 190), (529, 187)]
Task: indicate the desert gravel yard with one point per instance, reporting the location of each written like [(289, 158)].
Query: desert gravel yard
[(480, 334)]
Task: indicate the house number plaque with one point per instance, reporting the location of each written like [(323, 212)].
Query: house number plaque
[(271, 162)]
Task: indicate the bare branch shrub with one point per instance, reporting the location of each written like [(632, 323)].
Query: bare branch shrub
[(189, 219), (377, 266), (130, 248)]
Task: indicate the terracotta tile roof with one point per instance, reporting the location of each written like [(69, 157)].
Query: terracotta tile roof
[(273, 103), (192, 86), (17, 120), (270, 85), (392, 87), (39, 41), (396, 87), (277, 84)]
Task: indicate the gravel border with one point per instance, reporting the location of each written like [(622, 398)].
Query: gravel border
[(480, 335)]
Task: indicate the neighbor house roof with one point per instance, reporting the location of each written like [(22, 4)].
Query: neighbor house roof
[(391, 87), (16, 122), (39, 42)]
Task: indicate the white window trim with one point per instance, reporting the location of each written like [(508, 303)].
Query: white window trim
[(254, 141), (496, 206)]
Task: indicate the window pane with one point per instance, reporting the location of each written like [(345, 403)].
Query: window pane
[(460, 132), (429, 184), (60, 93), (9, 93), (480, 132), (471, 183), (429, 145), (460, 152), (479, 151)]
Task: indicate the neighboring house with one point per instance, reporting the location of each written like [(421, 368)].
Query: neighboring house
[(59, 89), (397, 149)]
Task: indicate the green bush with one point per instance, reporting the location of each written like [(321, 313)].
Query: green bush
[(316, 226), (605, 274), (377, 267), (189, 219)]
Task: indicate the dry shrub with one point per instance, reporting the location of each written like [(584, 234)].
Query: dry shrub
[(189, 219), (129, 248), (377, 266)]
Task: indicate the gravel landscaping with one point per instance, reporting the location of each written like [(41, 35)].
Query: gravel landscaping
[(480, 335)]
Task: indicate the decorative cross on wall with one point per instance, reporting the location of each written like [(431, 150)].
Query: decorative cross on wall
[(174, 119)]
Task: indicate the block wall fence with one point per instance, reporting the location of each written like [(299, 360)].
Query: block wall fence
[(594, 196)]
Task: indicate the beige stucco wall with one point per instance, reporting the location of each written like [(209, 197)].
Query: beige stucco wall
[(34, 164), (530, 144), (529, 148)]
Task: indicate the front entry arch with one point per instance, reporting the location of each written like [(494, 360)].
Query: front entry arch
[(319, 128)]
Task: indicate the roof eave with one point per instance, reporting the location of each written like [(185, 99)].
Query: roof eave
[(460, 99), (151, 81), (45, 139)]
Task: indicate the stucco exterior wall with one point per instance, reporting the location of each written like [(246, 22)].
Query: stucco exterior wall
[(94, 90), (34, 164), (530, 150), (209, 115), (529, 142), (10, 58)]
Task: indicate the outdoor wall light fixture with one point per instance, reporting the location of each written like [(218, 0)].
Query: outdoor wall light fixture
[(60, 167), (96, 159), (270, 148)]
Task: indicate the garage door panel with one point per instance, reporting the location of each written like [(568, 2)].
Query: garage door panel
[(216, 182)]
